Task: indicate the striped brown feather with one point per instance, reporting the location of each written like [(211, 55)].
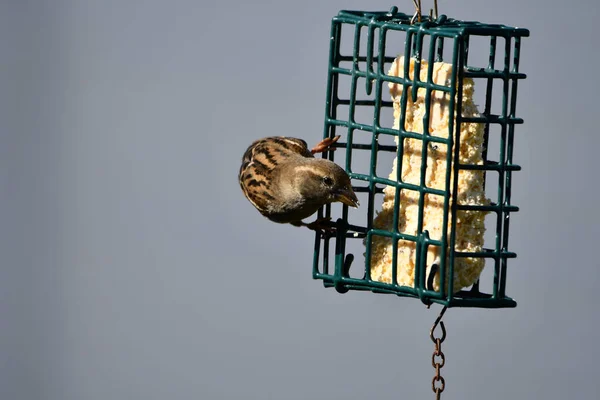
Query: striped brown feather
[(259, 161)]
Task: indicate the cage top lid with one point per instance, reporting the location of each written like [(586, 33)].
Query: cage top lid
[(394, 19)]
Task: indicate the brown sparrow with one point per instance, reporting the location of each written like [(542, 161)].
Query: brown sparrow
[(286, 184)]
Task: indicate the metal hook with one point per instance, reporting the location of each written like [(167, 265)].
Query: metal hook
[(434, 270), (417, 15), (347, 264), (439, 322), (433, 12)]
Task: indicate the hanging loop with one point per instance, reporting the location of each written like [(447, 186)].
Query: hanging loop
[(438, 321)]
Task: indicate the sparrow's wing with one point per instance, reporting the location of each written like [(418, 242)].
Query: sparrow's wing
[(284, 146), (259, 161)]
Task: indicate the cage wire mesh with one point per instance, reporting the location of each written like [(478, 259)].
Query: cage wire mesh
[(359, 108)]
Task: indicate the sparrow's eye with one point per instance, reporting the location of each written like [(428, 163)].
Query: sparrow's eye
[(327, 181)]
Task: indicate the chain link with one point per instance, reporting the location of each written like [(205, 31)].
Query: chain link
[(438, 359)]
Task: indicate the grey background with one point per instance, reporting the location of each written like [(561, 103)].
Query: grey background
[(133, 268)]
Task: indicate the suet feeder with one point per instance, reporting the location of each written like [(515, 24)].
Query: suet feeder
[(413, 168)]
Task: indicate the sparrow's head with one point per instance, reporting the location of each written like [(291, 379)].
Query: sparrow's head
[(321, 181)]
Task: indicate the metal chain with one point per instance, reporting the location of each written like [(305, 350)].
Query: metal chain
[(438, 359)]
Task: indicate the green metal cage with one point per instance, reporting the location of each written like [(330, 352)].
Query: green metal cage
[(362, 47)]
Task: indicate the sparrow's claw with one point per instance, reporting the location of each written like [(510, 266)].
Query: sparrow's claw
[(324, 145), (320, 224)]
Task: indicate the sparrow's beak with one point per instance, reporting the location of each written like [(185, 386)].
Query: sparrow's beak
[(347, 197)]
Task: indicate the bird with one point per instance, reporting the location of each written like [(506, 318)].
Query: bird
[(283, 180)]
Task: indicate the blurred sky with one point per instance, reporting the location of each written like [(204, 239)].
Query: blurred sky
[(133, 268)]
